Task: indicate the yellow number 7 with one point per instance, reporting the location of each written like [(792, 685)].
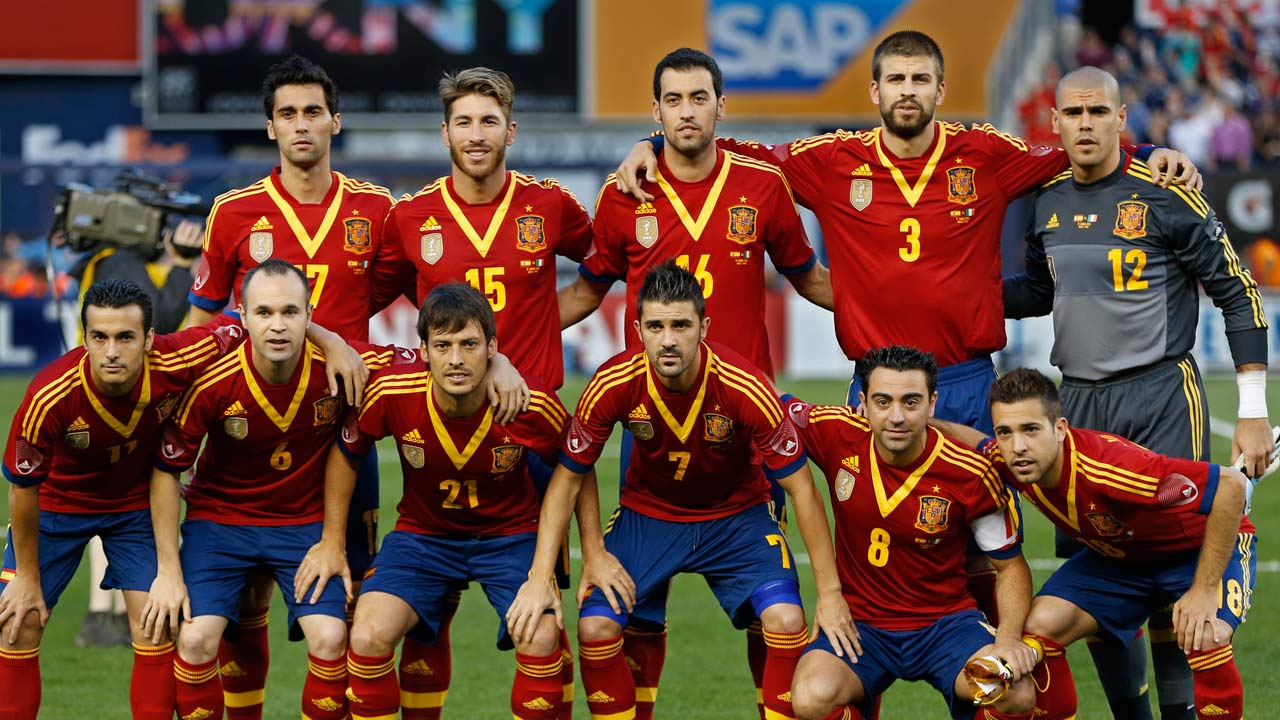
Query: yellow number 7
[(683, 459), (780, 540)]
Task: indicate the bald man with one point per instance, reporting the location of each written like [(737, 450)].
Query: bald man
[(1117, 260)]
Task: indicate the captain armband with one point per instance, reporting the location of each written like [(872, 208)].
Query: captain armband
[(1252, 386)]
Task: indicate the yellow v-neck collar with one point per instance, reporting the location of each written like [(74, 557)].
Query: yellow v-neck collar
[(458, 457), (144, 399), (310, 244), (911, 192), (887, 503), (304, 379), (481, 244), (695, 227), (683, 429), (1071, 517)]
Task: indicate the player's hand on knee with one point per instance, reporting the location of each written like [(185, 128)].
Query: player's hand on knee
[(602, 570), (167, 603), (21, 596), (533, 599), (507, 391), (1018, 656), (324, 561), (1194, 616), (627, 178), (832, 617)]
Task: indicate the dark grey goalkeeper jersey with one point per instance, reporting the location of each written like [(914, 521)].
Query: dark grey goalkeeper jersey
[(1118, 261)]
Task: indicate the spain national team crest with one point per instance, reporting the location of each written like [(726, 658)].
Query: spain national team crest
[(647, 230), (505, 458), (237, 427), (718, 428), (78, 440), (432, 247), (327, 410), (1105, 523), (742, 224), (531, 237), (359, 239), (933, 514), (860, 193), (166, 406), (260, 246), (641, 429), (1131, 219), (413, 455), (844, 484), (961, 187)]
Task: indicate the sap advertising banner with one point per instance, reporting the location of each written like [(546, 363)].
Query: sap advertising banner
[(791, 59)]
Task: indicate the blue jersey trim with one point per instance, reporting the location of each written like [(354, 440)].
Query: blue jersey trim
[(206, 303), (1008, 553), (358, 457), (797, 269), (788, 469), (172, 469), (22, 480), (1210, 490), (584, 272), (574, 465)]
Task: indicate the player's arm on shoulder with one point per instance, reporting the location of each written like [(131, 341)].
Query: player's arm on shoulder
[(506, 388), (1017, 166), (580, 298), (343, 366), (1195, 613), (963, 434)]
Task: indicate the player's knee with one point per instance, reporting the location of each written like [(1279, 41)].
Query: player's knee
[(546, 638), (1020, 699), (594, 628), (370, 638), (29, 633), (783, 618), (326, 636), (812, 695), (198, 643), (1223, 630)]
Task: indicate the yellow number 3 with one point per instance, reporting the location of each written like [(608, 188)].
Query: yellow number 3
[(911, 252)]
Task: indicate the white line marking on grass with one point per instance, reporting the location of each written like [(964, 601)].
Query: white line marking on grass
[(1222, 428)]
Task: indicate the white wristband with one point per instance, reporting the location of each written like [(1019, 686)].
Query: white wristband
[(1252, 386)]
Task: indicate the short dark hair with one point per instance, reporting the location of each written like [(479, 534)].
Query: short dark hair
[(688, 59), (900, 358), (274, 267), (116, 294), (1027, 384), (668, 283), (297, 70), (906, 43), (449, 307), (481, 81)]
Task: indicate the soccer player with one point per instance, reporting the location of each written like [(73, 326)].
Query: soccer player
[(478, 523), (256, 499), (1127, 259), (695, 500), (76, 461), (717, 213), (1156, 530), (906, 500), (500, 231)]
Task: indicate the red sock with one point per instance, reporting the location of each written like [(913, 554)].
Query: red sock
[(757, 652), (645, 654), (324, 694), (199, 689), (566, 677), (426, 670), (982, 585), (373, 692), (20, 678), (243, 665), (536, 690), (152, 690), (1055, 688), (784, 650), (606, 679), (1218, 689)]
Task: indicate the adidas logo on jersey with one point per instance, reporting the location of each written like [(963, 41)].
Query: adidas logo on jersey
[(851, 463), (235, 409), (646, 208), (326, 704), (863, 171), (599, 696), (539, 704), (414, 437), (1053, 222), (232, 669), (1213, 710), (262, 224), (78, 425), (430, 224), (640, 413), (419, 666)]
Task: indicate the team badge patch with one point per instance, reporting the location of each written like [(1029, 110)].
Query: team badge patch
[(166, 406), (1131, 219), (647, 230), (860, 193), (505, 458), (359, 239), (641, 429), (742, 224), (432, 247), (413, 455), (327, 410), (960, 185), (237, 427), (260, 246), (78, 440), (933, 514), (1105, 523), (844, 484), (531, 237), (718, 428)]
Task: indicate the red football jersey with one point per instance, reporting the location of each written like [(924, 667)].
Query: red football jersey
[(1123, 500), (93, 453), (921, 231), (697, 454), (507, 250), (338, 243), (901, 533), (720, 228), (265, 444), (463, 477)]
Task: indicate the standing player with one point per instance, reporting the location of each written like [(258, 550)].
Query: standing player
[(718, 214), (695, 500), (906, 500), (76, 460), (477, 523), (500, 231), (1127, 258), (1156, 530)]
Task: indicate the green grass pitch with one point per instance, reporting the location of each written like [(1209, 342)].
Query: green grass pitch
[(706, 674)]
